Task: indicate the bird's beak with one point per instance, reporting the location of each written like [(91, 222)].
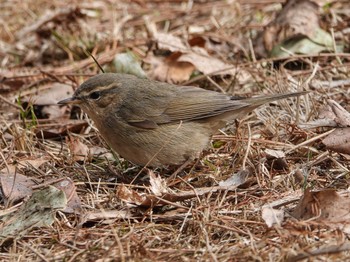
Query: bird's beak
[(70, 101)]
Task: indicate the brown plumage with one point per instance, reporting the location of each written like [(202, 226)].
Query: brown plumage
[(153, 123)]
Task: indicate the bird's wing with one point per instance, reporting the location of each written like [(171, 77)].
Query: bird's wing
[(178, 104), (195, 103), (161, 103)]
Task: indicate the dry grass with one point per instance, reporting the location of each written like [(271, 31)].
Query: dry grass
[(223, 225)]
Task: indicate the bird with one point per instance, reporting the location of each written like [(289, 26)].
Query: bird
[(158, 124)]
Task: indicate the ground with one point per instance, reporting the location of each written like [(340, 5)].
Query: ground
[(271, 186)]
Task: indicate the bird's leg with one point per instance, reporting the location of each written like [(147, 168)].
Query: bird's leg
[(179, 169)]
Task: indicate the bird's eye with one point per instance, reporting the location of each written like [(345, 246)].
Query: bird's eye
[(95, 95)]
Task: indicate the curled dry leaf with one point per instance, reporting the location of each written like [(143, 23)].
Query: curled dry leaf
[(158, 185), (270, 153), (209, 65), (130, 196), (127, 63), (101, 152), (170, 42), (169, 69), (53, 94)]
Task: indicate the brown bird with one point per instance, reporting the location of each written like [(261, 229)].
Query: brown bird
[(153, 124)]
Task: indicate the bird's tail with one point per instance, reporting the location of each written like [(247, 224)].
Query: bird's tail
[(260, 100)]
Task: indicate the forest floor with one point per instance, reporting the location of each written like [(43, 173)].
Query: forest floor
[(273, 186)]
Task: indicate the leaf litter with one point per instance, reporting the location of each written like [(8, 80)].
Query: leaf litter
[(239, 201)]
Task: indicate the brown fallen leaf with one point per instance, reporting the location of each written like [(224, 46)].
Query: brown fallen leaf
[(70, 190), (169, 69), (334, 115), (276, 159), (78, 150), (296, 18), (335, 112), (45, 101), (130, 196), (169, 42), (50, 131), (185, 58), (296, 29), (15, 187), (338, 141), (325, 206)]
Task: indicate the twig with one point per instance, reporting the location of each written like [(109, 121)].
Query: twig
[(248, 147), (309, 141), (10, 103), (333, 249)]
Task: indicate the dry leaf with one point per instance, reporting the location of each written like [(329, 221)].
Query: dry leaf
[(36, 163), (129, 195), (53, 94), (15, 187), (209, 65), (70, 190), (336, 113), (150, 200), (276, 159), (243, 177), (158, 185), (127, 63), (169, 42), (274, 153), (78, 150), (297, 30), (101, 152), (326, 206), (272, 216), (338, 140), (169, 70), (183, 56), (47, 100), (38, 211), (332, 114), (65, 127)]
